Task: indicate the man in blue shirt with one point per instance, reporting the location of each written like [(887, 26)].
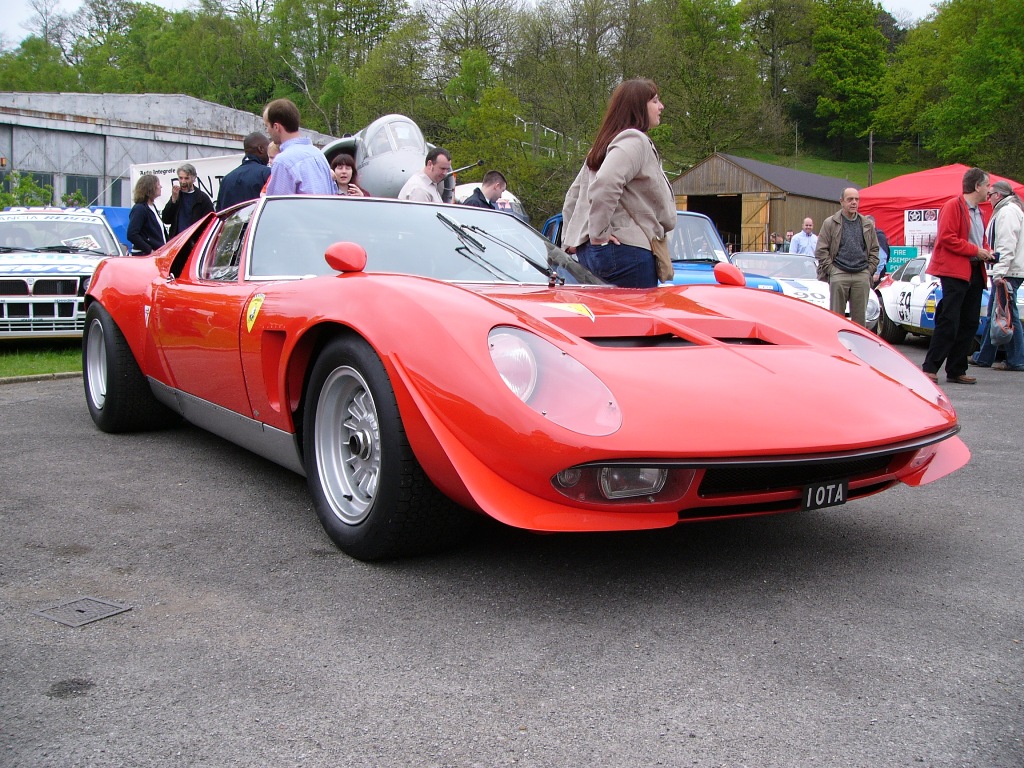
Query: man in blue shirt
[(299, 168), (247, 180), (804, 241)]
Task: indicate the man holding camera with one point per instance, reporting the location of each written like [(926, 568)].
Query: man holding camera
[(1006, 235), (188, 204)]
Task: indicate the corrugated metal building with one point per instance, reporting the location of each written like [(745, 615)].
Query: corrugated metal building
[(748, 199), (87, 141)]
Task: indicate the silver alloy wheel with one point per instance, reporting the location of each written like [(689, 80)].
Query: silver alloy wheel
[(347, 443), (96, 364)]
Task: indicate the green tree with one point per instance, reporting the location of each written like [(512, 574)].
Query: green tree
[(396, 78), (978, 122), (710, 89), (36, 65), (21, 189), (849, 64), (325, 41)]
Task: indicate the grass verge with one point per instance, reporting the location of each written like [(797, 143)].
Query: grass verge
[(37, 357)]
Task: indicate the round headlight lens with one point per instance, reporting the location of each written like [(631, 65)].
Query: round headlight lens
[(515, 362)]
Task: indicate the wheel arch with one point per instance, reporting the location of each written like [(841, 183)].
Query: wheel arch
[(425, 446)]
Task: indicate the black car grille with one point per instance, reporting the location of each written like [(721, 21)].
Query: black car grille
[(13, 288), (63, 286), (751, 478)]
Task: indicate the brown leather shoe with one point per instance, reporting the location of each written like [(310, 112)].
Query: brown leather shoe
[(962, 379), (932, 376)]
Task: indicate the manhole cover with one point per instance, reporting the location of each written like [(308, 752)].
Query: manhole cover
[(82, 610)]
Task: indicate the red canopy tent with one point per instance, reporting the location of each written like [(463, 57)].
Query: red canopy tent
[(925, 192)]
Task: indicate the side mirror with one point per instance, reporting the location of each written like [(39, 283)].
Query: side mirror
[(346, 257), (729, 274)]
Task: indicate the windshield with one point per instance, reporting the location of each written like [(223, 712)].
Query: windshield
[(696, 239), (444, 242), (782, 265), (55, 232)]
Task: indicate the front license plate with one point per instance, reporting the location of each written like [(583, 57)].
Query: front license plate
[(825, 494)]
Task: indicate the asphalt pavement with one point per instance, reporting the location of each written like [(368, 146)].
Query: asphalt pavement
[(886, 632)]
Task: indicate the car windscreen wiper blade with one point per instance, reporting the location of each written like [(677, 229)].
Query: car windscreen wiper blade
[(16, 248), (67, 249), (470, 242), (461, 231)]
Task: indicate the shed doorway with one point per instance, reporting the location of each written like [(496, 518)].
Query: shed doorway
[(725, 210)]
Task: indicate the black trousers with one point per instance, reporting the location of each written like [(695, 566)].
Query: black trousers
[(956, 323)]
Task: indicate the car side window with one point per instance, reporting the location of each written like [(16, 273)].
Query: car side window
[(913, 269), (223, 254)]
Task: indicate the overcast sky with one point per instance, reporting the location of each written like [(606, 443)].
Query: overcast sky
[(15, 13)]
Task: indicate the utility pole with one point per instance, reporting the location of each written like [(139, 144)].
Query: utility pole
[(871, 155)]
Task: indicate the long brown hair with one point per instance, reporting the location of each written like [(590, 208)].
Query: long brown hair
[(627, 108)]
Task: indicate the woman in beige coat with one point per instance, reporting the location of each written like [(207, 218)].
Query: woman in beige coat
[(621, 199)]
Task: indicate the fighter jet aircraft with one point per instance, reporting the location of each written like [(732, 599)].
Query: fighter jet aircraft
[(387, 152)]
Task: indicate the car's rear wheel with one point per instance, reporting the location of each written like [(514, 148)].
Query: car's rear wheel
[(887, 329), (118, 396), (371, 495)]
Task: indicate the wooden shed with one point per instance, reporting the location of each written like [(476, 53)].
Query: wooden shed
[(748, 200)]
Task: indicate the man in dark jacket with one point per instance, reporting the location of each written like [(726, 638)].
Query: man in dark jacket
[(487, 194), (247, 180), (188, 203), (958, 261)]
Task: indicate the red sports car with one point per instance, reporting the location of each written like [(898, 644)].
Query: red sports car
[(405, 355)]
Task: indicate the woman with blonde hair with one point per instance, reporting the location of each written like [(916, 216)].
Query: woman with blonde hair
[(621, 200), (145, 232)]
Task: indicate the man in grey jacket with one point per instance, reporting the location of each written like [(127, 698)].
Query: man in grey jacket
[(1006, 236), (847, 254)]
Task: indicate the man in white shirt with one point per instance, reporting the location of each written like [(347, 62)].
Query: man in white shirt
[(422, 185), (804, 241)]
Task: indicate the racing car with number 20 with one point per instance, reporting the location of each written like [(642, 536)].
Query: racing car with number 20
[(419, 362)]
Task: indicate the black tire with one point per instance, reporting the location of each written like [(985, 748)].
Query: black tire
[(887, 329), (118, 395), (370, 493)]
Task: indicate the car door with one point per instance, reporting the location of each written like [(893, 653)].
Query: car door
[(198, 315)]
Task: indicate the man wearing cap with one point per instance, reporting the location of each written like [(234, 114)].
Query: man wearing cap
[(1006, 234), (958, 261)]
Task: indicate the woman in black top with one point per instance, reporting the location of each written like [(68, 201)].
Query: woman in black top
[(145, 232)]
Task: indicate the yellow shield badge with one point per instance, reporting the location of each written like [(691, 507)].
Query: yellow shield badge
[(254, 309)]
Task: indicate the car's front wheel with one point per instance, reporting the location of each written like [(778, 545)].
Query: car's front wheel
[(118, 395), (371, 495)]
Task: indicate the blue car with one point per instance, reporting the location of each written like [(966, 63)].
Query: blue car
[(695, 247)]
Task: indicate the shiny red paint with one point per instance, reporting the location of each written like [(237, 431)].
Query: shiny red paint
[(754, 377)]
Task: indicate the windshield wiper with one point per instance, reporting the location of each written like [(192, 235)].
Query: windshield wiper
[(461, 231), (67, 249)]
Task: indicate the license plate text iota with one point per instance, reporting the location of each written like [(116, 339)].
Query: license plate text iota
[(825, 494)]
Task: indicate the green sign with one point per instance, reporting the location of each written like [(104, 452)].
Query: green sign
[(900, 255)]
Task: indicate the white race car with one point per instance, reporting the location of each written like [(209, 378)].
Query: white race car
[(797, 276), (909, 297), (47, 258)]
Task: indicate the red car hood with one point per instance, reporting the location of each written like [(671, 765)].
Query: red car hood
[(707, 371)]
